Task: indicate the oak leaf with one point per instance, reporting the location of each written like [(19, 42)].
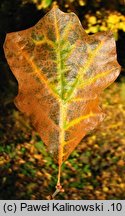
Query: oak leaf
[(61, 72)]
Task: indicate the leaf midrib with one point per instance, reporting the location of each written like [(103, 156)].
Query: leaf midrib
[(63, 108)]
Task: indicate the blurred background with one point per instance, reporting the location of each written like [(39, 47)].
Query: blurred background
[(96, 169)]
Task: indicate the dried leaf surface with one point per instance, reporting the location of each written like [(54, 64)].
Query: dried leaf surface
[(61, 72)]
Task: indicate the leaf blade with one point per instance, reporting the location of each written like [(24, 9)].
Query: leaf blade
[(61, 72)]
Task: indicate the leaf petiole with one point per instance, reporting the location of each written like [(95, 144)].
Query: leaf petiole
[(58, 189)]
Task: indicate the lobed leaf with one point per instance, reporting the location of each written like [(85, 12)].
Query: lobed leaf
[(61, 72)]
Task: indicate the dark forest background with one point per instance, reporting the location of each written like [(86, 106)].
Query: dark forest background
[(95, 170)]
